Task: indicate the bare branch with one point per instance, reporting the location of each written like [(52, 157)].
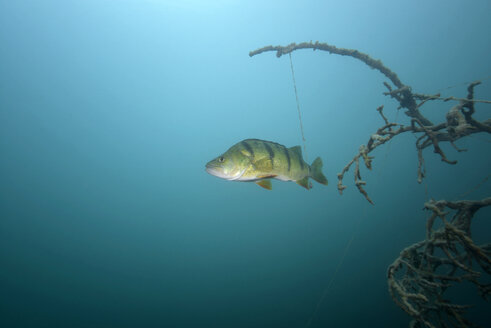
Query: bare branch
[(412, 278), (459, 121), (422, 273)]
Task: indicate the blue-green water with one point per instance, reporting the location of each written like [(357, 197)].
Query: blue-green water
[(109, 111)]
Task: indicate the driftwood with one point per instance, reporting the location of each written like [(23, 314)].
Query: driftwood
[(458, 124), (422, 273), (420, 276)]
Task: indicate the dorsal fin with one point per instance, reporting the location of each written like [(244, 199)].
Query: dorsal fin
[(297, 150)]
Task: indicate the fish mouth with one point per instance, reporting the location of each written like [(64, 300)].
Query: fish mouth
[(218, 171), (214, 170), (210, 170), (210, 166)]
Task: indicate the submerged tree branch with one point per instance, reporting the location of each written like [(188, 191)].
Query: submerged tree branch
[(373, 63), (419, 278), (459, 121)]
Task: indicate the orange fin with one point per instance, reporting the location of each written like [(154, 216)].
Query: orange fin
[(267, 176), (266, 184)]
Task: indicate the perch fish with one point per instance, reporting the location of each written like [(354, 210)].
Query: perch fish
[(260, 161)]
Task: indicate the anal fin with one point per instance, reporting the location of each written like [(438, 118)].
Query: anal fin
[(266, 184), (305, 183)]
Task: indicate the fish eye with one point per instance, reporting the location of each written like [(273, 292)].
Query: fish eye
[(220, 159)]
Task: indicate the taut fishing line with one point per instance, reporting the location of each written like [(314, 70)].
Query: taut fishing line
[(298, 108), (355, 231), (348, 245), (461, 84), (338, 267), (346, 249)]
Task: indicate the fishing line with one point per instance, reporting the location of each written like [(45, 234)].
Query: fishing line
[(298, 109), (350, 242), (345, 252), (338, 267), (463, 83), (472, 189)]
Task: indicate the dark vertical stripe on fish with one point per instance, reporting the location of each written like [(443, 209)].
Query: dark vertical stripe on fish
[(287, 153), (248, 148), (300, 159), (270, 152)]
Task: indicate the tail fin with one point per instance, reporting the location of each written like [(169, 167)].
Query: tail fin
[(316, 171)]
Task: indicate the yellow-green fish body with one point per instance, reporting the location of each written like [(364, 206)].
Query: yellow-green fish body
[(259, 160)]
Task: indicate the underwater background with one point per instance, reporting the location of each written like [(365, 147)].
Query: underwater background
[(109, 111)]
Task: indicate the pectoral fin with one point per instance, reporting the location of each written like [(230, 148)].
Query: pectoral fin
[(266, 184), (263, 165), (304, 183)]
